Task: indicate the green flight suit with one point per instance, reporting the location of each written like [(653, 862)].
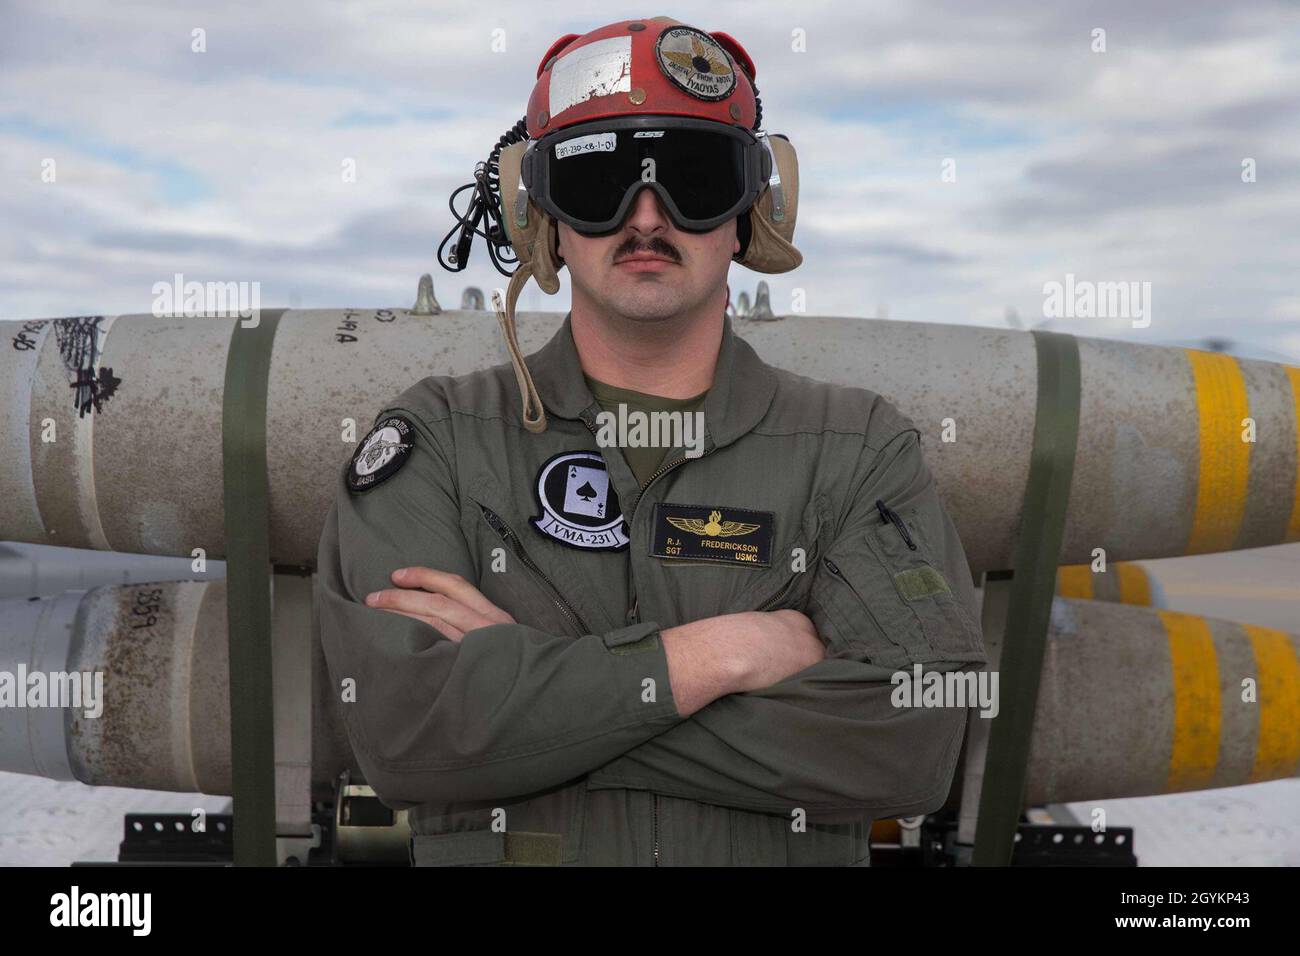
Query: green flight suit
[(556, 739)]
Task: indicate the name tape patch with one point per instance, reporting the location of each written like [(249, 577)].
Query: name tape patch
[(712, 533)]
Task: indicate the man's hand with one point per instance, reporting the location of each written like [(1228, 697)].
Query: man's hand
[(778, 644), (734, 653), (444, 601)]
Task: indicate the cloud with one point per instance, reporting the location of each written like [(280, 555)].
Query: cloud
[(228, 164)]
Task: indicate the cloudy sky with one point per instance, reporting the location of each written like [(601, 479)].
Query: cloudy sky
[(225, 165)]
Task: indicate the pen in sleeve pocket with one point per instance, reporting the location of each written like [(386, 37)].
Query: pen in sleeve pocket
[(887, 514)]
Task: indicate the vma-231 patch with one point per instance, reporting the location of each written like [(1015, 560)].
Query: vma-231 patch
[(579, 505), (380, 453)]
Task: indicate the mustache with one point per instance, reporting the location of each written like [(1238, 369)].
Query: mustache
[(656, 246)]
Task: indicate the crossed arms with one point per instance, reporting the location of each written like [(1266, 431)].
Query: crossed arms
[(767, 711)]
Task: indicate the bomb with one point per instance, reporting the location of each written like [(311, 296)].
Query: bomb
[(111, 431), (1124, 582), (1133, 701)]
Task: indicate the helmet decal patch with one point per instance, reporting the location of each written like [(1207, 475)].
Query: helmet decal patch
[(578, 503), (696, 62), (594, 69)]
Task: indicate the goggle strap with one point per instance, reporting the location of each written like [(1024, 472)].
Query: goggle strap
[(774, 184)]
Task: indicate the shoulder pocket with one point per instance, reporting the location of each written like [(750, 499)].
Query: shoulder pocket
[(876, 592), (950, 630)]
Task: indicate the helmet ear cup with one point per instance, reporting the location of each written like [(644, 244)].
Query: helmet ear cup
[(533, 234), (511, 189), (770, 247)]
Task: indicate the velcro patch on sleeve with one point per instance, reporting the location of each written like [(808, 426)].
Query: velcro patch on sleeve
[(920, 582)]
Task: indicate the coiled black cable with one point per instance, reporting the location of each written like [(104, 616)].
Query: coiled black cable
[(485, 202)]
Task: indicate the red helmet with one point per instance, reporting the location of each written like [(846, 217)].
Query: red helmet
[(656, 66)]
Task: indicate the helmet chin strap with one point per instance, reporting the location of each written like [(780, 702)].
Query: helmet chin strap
[(535, 422)]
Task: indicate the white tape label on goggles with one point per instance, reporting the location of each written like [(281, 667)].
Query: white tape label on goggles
[(593, 143), (596, 69)]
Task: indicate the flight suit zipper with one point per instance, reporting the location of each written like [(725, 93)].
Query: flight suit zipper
[(501, 528), (835, 570), (785, 588), (656, 826), (663, 470), (633, 609), (630, 616)]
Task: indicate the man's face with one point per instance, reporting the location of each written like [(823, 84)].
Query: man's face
[(648, 269)]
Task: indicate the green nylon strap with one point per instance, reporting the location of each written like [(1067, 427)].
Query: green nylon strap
[(1037, 553), (248, 588)]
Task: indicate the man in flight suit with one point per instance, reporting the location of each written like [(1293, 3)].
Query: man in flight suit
[(569, 652)]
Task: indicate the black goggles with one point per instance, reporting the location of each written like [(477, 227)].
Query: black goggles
[(703, 172)]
